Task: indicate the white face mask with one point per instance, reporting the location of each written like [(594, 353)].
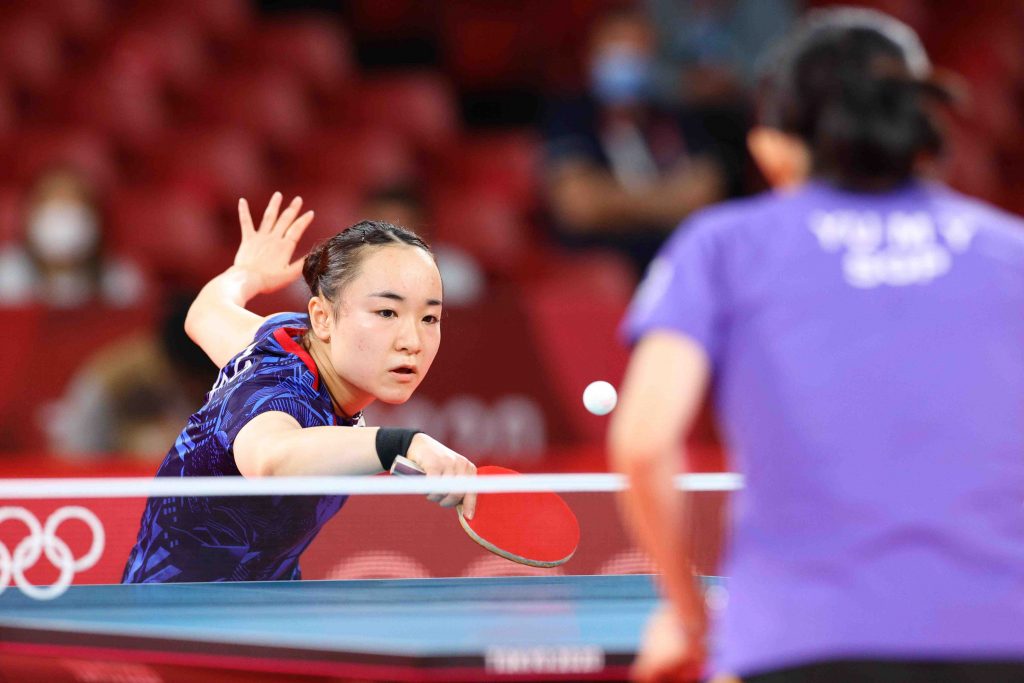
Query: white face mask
[(63, 232)]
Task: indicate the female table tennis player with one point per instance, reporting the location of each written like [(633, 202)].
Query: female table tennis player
[(290, 392), (862, 328)]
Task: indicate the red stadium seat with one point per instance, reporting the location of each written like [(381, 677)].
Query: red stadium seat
[(221, 164), (558, 46), (581, 298), (81, 21), (353, 160), (30, 52), (172, 46), (223, 20), (970, 163), (315, 50), (270, 104), (488, 45), (173, 233), (23, 325), (603, 275), (336, 208), (392, 19), (8, 109), (517, 44), (487, 227), (985, 51), (11, 216), (120, 99), (35, 150), (505, 164), (34, 375), (420, 105)]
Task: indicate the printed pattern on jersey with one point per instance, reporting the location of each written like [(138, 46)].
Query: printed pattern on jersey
[(237, 538)]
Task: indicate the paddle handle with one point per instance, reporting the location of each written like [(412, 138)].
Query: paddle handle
[(404, 467)]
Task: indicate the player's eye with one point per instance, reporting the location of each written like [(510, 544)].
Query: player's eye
[(387, 313), (431, 319)]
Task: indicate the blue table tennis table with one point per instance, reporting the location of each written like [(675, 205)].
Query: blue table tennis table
[(521, 628)]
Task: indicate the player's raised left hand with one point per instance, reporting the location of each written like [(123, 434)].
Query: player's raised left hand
[(265, 252), (671, 650)]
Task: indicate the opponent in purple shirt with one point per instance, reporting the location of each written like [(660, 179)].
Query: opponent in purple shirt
[(289, 397), (863, 332)]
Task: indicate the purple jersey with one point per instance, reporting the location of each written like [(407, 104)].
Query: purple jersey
[(868, 359), (235, 538)]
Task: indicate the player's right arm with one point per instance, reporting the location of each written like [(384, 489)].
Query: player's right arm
[(218, 320), (275, 444)]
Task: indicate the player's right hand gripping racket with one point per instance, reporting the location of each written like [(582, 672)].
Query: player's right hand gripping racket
[(534, 528)]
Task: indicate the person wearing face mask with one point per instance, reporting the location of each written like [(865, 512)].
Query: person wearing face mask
[(621, 170), (61, 262), (289, 397)]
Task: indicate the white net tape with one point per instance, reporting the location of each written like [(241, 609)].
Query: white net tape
[(43, 540), (139, 487)]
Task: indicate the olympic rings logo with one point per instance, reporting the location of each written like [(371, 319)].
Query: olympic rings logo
[(43, 539)]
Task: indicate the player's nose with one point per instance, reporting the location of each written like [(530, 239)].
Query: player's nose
[(408, 339)]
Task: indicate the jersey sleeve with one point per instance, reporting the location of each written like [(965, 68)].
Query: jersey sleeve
[(681, 290), (264, 393)]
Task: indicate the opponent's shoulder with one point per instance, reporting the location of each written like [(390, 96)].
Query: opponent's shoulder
[(998, 222), (739, 212), (728, 219)]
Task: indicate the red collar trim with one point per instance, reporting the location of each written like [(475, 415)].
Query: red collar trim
[(283, 335)]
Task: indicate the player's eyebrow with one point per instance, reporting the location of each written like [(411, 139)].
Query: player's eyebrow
[(394, 296)]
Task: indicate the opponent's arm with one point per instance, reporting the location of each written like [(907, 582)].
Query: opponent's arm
[(275, 444), (218, 320), (661, 394)]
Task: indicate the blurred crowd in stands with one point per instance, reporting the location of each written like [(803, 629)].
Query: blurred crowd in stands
[(544, 148)]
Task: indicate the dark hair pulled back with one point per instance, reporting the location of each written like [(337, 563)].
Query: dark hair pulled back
[(852, 83), (334, 262)]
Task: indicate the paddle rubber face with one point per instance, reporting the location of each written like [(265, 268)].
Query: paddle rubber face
[(537, 529)]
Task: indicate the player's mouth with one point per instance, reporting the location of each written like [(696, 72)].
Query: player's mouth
[(404, 373)]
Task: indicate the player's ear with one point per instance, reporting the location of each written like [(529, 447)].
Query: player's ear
[(320, 318), (784, 159)]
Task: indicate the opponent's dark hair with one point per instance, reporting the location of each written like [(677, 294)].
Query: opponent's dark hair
[(853, 84), (334, 262)]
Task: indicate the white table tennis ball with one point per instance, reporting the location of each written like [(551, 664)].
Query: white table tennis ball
[(600, 397)]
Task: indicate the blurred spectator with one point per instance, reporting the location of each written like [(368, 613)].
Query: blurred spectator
[(716, 44), (463, 278), (134, 396), (621, 170), (63, 261)]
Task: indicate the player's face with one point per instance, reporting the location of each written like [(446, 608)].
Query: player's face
[(388, 326)]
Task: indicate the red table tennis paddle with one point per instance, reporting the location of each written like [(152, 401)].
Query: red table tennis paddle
[(533, 528)]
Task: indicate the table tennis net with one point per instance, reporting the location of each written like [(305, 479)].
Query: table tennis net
[(81, 531)]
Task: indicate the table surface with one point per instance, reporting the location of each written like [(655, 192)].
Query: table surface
[(571, 627)]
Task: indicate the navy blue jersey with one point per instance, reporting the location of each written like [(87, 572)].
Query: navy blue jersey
[(238, 538)]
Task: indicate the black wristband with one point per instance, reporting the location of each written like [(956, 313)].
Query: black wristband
[(393, 442)]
